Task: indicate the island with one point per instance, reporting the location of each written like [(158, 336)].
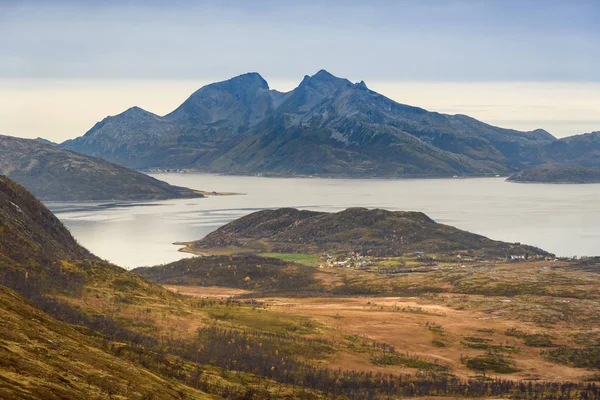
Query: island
[(376, 233)]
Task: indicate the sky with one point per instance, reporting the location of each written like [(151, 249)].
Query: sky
[(65, 65)]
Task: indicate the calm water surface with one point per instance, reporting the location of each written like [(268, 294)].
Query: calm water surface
[(564, 219)]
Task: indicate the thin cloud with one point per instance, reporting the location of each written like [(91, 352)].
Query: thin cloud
[(405, 40)]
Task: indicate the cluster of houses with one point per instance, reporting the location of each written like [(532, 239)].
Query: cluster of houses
[(355, 259), (174, 170), (547, 258), (352, 260)]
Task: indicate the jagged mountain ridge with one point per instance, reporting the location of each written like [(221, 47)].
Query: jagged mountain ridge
[(226, 108), (327, 125)]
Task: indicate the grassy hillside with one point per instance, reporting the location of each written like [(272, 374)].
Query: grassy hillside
[(240, 272), (42, 358), (30, 231), (33, 243), (370, 232), (129, 321), (54, 174)]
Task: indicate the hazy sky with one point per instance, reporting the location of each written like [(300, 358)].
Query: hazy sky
[(522, 64)]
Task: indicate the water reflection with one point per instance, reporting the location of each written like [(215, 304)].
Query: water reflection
[(564, 219)]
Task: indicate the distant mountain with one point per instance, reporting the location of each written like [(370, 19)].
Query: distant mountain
[(327, 125), (377, 232), (557, 175), (42, 140), (578, 150), (52, 173)]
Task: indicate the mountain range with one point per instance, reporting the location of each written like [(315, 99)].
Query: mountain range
[(327, 126), (55, 174)]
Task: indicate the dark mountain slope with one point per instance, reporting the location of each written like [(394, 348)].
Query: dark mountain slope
[(338, 100), (33, 244), (374, 232), (29, 231), (327, 125), (125, 138), (225, 109), (311, 149), (52, 173), (190, 135)]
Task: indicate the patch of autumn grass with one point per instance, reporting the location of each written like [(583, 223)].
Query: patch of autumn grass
[(305, 259), (244, 317)]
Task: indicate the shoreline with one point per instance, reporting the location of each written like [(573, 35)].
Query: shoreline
[(325, 176), (214, 193), (553, 183)]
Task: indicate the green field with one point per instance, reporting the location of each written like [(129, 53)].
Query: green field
[(306, 259)]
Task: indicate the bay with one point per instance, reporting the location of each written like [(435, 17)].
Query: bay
[(563, 219)]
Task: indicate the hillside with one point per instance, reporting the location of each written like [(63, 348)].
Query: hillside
[(73, 334), (55, 174), (247, 272), (373, 232), (31, 231), (573, 151), (95, 330), (42, 359), (327, 126), (409, 327), (557, 175), (33, 242)]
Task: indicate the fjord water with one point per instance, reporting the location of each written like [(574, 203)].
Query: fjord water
[(563, 219)]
